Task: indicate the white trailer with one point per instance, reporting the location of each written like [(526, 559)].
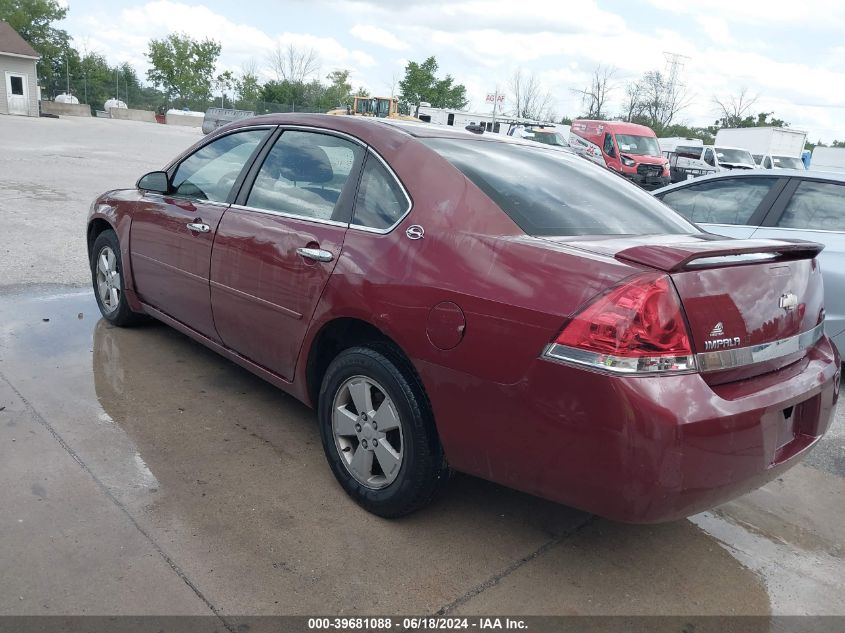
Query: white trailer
[(771, 147), (500, 124), (828, 159), (461, 119)]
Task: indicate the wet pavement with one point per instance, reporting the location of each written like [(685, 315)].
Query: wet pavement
[(142, 473), (50, 172)]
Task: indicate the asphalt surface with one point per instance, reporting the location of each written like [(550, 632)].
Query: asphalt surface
[(142, 474)]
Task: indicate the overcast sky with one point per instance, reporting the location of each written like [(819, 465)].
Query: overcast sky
[(792, 55)]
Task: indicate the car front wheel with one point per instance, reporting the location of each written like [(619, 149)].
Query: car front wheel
[(108, 280), (378, 431)]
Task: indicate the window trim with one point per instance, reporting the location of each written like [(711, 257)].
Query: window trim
[(759, 215), (258, 163), (290, 216), (239, 181), (392, 174)]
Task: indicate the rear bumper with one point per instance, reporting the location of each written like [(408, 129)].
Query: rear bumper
[(646, 449)]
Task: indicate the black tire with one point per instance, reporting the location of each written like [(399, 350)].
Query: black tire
[(121, 315), (423, 470)]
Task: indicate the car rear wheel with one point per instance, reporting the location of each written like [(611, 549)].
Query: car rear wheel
[(378, 431), (108, 280)]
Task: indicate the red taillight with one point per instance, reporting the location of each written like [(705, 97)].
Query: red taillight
[(637, 327)]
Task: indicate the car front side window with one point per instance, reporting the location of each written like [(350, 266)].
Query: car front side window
[(815, 206), (608, 146), (726, 201), (211, 171), (304, 175), (381, 202)]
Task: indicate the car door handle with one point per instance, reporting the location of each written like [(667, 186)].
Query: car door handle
[(199, 227), (317, 254)]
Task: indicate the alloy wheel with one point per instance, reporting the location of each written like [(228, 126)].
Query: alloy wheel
[(108, 279), (367, 432)]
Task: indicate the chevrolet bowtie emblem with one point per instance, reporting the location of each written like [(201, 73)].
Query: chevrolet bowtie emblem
[(788, 301)]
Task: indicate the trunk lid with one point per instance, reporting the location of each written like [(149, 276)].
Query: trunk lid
[(738, 295)]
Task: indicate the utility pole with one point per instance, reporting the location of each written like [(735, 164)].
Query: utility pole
[(495, 103), (67, 74)]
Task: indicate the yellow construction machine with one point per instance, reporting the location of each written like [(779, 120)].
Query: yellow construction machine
[(380, 107)]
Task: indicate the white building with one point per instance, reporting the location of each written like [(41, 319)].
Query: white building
[(18, 79)]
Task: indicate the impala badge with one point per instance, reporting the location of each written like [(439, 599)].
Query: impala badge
[(788, 301), (718, 329), (415, 232), (721, 343)]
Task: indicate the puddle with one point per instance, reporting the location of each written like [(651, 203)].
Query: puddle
[(798, 581)]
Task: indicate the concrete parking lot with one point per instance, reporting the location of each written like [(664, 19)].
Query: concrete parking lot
[(142, 474)]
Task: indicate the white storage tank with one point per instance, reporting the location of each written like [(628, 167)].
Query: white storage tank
[(66, 98)]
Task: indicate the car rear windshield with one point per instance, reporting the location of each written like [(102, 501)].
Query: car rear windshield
[(550, 191), (787, 162), (727, 155)]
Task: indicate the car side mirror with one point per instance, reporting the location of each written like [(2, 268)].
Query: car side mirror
[(155, 181)]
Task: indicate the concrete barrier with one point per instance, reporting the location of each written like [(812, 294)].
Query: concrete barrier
[(184, 119), (128, 114), (65, 109)]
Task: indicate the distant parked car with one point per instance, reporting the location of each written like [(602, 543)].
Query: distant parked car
[(776, 203), (546, 134)]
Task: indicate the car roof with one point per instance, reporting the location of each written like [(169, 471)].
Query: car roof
[(364, 126), (433, 130), (759, 173)]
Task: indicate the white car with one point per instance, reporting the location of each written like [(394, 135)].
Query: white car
[(779, 204)]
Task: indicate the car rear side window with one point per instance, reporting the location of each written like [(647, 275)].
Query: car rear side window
[(550, 191), (211, 171), (723, 201), (816, 206), (304, 175), (381, 202)]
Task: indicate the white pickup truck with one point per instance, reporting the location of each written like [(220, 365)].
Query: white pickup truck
[(689, 158)]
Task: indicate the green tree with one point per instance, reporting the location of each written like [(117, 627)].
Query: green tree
[(226, 83), (338, 93), (33, 20), (421, 84), (249, 90), (284, 95), (183, 68)]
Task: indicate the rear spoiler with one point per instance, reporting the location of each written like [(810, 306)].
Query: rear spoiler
[(672, 258)]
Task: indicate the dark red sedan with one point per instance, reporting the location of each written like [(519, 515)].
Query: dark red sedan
[(471, 302)]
